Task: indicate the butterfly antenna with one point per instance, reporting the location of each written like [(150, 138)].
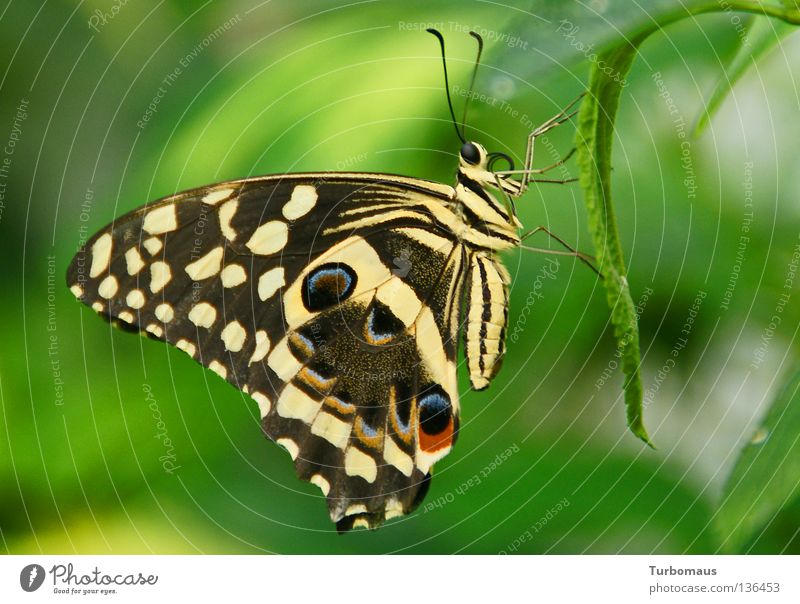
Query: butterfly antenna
[(472, 81), (447, 84)]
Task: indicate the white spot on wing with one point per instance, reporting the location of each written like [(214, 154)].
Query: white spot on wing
[(332, 429), (76, 290), (395, 456), (218, 368), (233, 336), (290, 446), (160, 275), (206, 266), (358, 463), (270, 282), (134, 261), (215, 197), (135, 298), (125, 316), (283, 362), (97, 306), (164, 312), (152, 245), (161, 220), (264, 404), (303, 199), (262, 347), (101, 255), (186, 346), (155, 330), (203, 314), (296, 404), (269, 238), (320, 481), (233, 275), (226, 213), (108, 287)]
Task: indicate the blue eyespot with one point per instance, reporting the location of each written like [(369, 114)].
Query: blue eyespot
[(328, 285), (434, 411)]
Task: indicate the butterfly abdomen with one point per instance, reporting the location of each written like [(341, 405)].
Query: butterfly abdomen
[(487, 316)]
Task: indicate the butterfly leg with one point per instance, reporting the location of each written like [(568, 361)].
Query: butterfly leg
[(570, 251)]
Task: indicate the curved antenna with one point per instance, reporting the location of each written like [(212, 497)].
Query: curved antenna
[(472, 81), (447, 84)]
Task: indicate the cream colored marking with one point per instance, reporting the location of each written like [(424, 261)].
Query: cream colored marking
[(108, 287), (395, 456), (135, 298), (203, 315), (393, 509), (218, 368), (431, 350), (206, 266), (296, 404), (97, 306), (401, 300), (134, 261), (270, 282), (155, 330), (234, 336), (377, 219), (246, 389), (186, 346), (262, 347), (441, 245), (161, 220), (264, 404), (153, 245), (371, 208), (215, 197), (283, 362), (320, 481), (358, 463), (226, 214), (164, 312), (361, 523), (303, 199), (76, 290), (332, 429), (356, 508), (425, 460), (353, 251), (233, 275), (290, 446), (126, 316), (269, 238), (101, 254), (160, 275)]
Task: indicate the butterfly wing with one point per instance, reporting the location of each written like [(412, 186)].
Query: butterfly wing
[(331, 299)]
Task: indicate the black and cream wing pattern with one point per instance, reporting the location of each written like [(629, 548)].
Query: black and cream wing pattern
[(336, 301)]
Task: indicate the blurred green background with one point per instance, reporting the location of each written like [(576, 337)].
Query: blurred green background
[(106, 108)]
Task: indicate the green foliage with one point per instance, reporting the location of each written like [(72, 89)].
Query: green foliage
[(762, 36), (594, 139), (766, 477)]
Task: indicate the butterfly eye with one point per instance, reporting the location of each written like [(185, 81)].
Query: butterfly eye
[(434, 412), (327, 285), (470, 153)]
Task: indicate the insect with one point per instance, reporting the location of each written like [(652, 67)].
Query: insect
[(337, 301)]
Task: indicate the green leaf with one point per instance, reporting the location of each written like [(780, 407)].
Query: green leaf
[(766, 477), (762, 36), (594, 139)]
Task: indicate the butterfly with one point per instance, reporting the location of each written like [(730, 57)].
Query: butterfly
[(336, 300)]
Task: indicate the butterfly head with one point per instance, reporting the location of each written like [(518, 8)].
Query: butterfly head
[(477, 165)]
